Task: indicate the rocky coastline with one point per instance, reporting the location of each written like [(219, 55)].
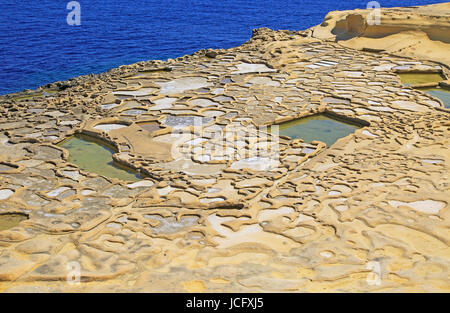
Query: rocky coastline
[(220, 202)]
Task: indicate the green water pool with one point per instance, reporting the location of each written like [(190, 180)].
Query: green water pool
[(420, 78), (441, 93), (11, 220), (94, 156), (316, 127)]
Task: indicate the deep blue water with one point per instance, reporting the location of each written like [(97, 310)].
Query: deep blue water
[(38, 47)]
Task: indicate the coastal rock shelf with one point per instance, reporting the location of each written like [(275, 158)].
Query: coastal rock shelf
[(206, 198)]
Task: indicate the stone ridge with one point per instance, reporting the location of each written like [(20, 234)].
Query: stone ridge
[(416, 32)]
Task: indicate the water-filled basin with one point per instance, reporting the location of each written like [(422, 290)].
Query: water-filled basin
[(319, 127), (10, 220), (441, 93), (94, 156), (420, 78)]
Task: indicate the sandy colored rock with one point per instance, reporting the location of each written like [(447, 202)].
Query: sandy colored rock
[(223, 204)]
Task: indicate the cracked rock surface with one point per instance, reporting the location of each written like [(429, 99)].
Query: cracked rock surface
[(314, 219)]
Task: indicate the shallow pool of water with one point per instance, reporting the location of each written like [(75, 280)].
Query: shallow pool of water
[(11, 220), (441, 93), (317, 127), (420, 78), (94, 156)]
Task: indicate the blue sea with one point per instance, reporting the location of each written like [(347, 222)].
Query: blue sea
[(37, 46)]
